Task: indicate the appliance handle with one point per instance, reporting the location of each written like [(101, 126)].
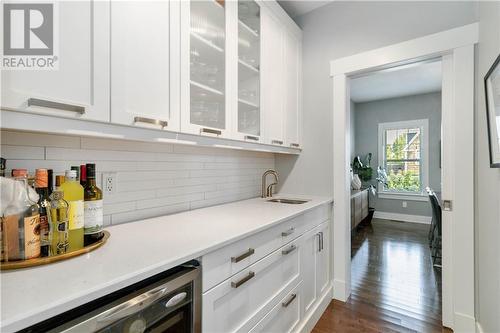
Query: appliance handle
[(143, 300)]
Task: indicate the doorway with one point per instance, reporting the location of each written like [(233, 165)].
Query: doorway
[(455, 49), (395, 140)]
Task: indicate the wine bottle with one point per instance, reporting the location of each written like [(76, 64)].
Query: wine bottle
[(59, 209), (83, 175), (50, 181), (41, 187), (73, 194), (77, 169), (93, 208), (59, 181)]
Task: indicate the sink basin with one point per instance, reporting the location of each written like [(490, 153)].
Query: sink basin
[(288, 201)]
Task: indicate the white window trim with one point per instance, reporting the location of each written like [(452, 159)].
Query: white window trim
[(423, 124)]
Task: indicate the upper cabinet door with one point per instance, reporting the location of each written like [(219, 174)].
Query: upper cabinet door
[(248, 123), (144, 73), (204, 67), (272, 68), (293, 93), (79, 88)]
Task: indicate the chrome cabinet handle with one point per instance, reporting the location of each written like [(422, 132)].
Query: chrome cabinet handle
[(289, 301), (289, 250), (288, 232), (210, 131), (251, 137), (151, 121), (242, 281), (277, 142), (243, 256), (319, 242), (56, 105), (295, 145)]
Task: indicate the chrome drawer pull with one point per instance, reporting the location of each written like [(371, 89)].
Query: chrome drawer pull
[(242, 281), (56, 105), (251, 137), (321, 240), (151, 121), (295, 145), (289, 250), (243, 256), (210, 131), (290, 300), (277, 142), (288, 232)]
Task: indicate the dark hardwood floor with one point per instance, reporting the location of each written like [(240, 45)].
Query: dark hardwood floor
[(394, 286)]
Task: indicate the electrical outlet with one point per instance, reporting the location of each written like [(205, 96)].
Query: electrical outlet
[(405, 204), (109, 182)]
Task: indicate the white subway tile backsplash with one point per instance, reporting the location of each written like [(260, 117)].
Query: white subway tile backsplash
[(151, 179)]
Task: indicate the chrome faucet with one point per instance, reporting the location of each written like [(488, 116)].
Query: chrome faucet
[(267, 191)]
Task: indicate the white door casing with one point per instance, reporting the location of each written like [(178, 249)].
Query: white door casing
[(455, 47)]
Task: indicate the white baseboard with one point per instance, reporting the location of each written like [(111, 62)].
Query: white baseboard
[(340, 290), (403, 217), (463, 323), (317, 312)]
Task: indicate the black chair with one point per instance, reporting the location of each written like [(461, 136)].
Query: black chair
[(436, 229)]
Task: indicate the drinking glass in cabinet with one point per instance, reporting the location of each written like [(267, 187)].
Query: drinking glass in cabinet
[(207, 61), (248, 67)]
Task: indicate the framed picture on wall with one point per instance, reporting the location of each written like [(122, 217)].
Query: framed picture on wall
[(492, 91)]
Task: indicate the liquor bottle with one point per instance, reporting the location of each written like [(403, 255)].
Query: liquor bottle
[(2, 166), (83, 175), (73, 194), (92, 207), (41, 187), (59, 210), (77, 169), (21, 223), (50, 181), (59, 181)]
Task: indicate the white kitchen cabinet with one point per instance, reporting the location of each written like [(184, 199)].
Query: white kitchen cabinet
[(235, 304), (247, 121), (80, 87), (293, 90), (208, 53), (144, 72), (316, 267), (272, 67)]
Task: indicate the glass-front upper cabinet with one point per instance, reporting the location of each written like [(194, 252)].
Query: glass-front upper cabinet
[(203, 44), (248, 123)]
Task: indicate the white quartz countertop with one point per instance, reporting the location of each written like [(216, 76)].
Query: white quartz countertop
[(134, 252)]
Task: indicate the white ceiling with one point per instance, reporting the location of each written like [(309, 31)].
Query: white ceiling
[(406, 80), (296, 8)]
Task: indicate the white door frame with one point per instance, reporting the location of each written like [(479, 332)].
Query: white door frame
[(455, 47)]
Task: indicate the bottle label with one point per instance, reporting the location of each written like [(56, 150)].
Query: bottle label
[(76, 214), (93, 216), (32, 236), (44, 229)]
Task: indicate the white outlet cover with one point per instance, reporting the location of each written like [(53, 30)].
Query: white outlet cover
[(405, 204), (109, 182)]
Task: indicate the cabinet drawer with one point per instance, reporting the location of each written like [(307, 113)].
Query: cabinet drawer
[(229, 260), (301, 224), (238, 303), (285, 315)]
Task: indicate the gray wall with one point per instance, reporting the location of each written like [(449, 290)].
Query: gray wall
[(368, 115), (352, 130), (487, 183), (342, 29)]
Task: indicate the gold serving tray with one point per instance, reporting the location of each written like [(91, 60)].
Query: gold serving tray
[(49, 260)]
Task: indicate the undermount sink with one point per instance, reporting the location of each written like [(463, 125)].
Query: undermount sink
[(288, 201)]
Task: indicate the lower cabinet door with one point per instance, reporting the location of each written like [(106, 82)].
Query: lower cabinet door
[(322, 259), (284, 317), (308, 269), (238, 303)]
